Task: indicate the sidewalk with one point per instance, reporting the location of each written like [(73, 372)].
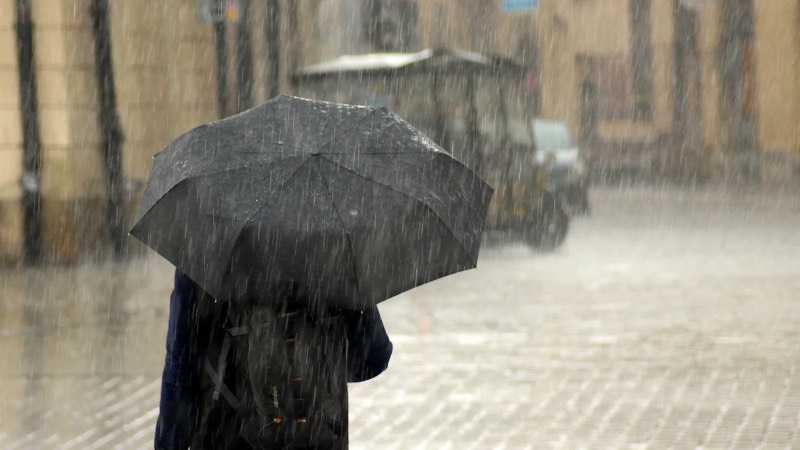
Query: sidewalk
[(667, 320)]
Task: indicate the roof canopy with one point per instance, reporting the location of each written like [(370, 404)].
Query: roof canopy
[(420, 62)]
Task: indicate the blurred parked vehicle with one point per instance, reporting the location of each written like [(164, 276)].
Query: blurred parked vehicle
[(562, 165), (558, 153), (470, 104)]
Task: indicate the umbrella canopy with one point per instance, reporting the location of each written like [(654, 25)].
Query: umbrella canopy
[(346, 205)]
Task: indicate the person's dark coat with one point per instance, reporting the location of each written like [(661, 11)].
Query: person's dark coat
[(368, 352)]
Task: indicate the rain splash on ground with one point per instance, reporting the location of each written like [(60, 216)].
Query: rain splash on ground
[(667, 320)]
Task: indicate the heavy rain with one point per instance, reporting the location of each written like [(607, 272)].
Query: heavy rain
[(579, 219)]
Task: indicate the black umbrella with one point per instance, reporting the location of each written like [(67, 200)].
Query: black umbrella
[(347, 205)]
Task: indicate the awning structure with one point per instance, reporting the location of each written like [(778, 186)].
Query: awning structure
[(427, 60)]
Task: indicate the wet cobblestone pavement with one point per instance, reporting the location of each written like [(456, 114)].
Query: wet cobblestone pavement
[(668, 320)]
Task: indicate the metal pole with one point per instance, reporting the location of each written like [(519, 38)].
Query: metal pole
[(294, 32), (642, 59), (440, 133), (222, 69), (244, 59), (738, 133), (505, 148), (32, 159), (110, 128), (273, 33), (679, 19), (475, 151), (374, 25), (686, 108)]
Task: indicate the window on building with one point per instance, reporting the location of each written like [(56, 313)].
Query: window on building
[(612, 88), (391, 25)]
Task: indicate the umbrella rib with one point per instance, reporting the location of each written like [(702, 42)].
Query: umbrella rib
[(405, 195), (231, 169), (317, 145), (240, 134), (210, 174), (290, 176), (381, 153), (245, 136), (247, 220), (344, 227), (434, 153), (278, 191), (348, 130)]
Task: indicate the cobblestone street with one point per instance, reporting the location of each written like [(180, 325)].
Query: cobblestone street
[(668, 320)]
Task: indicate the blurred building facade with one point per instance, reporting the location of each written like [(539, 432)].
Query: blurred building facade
[(167, 78), (164, 80), (688, 88), (697, 88)]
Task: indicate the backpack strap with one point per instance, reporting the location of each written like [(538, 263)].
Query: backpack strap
[(217, 375), (222, 362)]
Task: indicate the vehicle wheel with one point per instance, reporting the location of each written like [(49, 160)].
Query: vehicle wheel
[(575, 201), (583, 203), (552, 224)]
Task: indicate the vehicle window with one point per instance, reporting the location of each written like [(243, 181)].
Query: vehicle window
[(551, 136)]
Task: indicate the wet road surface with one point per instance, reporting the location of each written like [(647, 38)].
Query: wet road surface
[(669, 319)]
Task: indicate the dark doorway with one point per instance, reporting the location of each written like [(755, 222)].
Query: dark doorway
[(390, 25)]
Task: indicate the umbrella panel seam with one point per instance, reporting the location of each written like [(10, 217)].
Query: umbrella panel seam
[(209, 174), (246, 221), (344, 226), (373, 112), (317, 145), (460, 244), (370, 114)]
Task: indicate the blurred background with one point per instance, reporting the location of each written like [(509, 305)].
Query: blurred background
[(695, 90), (664, 297)]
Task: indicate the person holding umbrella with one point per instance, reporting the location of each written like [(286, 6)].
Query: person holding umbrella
[(300, 212), (191, 327)]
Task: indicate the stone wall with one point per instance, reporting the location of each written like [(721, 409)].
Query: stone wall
[(165, 83), (569, 30), (777, 28), (165, 69), (165, 72), (72, 173)]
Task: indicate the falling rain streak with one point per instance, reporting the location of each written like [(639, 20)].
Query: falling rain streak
[(578, 218)]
